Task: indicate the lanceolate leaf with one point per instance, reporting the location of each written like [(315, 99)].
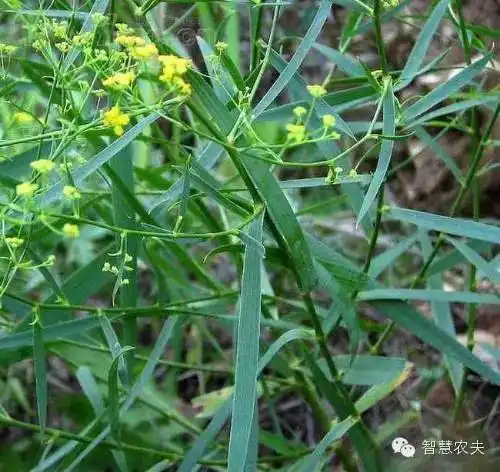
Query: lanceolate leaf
[(247, 353), (443, 91), (421, 47), (384, 158), (296, 61), (456, 226)]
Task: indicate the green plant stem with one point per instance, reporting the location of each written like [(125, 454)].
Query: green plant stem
[(376, 231), (377, 12), (472, 308)]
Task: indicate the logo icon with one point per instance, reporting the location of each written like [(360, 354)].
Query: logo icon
[(403, 447)]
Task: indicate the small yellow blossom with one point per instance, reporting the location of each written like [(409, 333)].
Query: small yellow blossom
[(14, 243), (316, 91), (60, 29), (183, 87), (221, 47), (173, 66), (144, 52), (120, 80), (71, 231), (44, 166), (7, 49), (328, 121), (129, 41), (26, 189), (99, 19), (63, 46), (116, 119), (296, 133), (299, 112), (71, 192), (353, 174), (389, 4), (23, 118), (82, 39)]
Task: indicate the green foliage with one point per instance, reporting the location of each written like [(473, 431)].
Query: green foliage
[(159, 216)]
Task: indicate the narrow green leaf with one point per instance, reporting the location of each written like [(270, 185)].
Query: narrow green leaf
[(294, 64), (385, 152), (90, 389), (440, 152), (115, 348), (40, 374), (474, 258), (114, 393), (430, 295), (457, 226), (312, 461), (442, 315), (443, 91), (342, 61), (247, 354), (387, 258), (423, 42)]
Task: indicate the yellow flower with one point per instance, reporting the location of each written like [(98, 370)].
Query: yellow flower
[(44, 166), (14, 243), (353, 174), (7, 49), (221, 46), (71, 231), (116, 119), (388, 4), (299, 111), (26, 189), (144, 52), (71, 192), (82, 39), (296, 133), (316, 90), (328, 121), (60, 29), (173, 66), (120, 80), (183, 87), (63, 46), (22, 117), (129, 41)]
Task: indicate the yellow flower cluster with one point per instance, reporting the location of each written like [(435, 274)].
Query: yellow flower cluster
[(71, 192), (144, 52), (389, 4), (7, 49), (299, 112), (23, 118), (120, 80), (328, 121), (136, 46), (316, 91), (71, 231), (43, 166), (26, 189), (174, 68), (14, 243), (296, 133), (115, 119)]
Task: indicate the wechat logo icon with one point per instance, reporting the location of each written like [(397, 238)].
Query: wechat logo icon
[(403, 447)]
